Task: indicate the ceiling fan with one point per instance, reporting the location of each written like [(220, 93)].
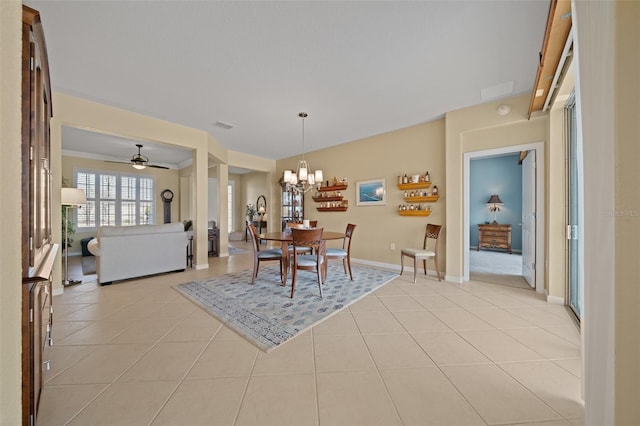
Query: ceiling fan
[(139, 161)]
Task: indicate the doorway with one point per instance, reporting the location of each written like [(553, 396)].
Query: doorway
[(573, 209), (534, 217)]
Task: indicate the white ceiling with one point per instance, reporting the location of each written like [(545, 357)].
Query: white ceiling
[(358, 68)]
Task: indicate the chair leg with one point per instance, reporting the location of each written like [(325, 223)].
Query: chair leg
[(320, 280), (348, 259), (435, 259), (401, 263), (255, 272), (293, 281), (424, 265), (415, 269)]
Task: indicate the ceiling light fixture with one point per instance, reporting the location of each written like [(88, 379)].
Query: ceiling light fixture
[(303, 179)]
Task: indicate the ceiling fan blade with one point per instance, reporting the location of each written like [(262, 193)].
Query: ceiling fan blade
[(117, 162), (155, 166)]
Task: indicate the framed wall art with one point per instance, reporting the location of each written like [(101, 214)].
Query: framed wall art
[(371, 192)]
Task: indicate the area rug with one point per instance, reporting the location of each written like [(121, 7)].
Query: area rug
[(88, 265), (233, 250), (265, 315)]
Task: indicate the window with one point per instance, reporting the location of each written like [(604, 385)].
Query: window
[(230, 207), (115, 199)]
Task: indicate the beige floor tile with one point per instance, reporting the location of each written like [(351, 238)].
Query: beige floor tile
[(496, 396), (341, 353), (538, 316), (103, 365), (448, 348), (280, 400), (99, 332), (165, 361), (179, 309), (135, 311), (425, 397), (391, 289), (570, 333), (225, 333), (203, 402), (393, 351), (62, 357), (225, 358), (354, 398), (339, 324), (60, 403), (556, 387), (545, 343), (469, 301), (370, 322), (436, 302), (573, 366), (561, 422), (459, 319), (401, 303), (93, 312), (366, 304), (499, 346), (292, 357), (145, 331), (420, 321), (421, 288), (193, 329), (60, 310), (107, 409), (500, 319), (62, 329)]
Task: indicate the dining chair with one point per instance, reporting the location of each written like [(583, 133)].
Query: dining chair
[(343, 253), (311, 238), (428, 251), (262, 255)]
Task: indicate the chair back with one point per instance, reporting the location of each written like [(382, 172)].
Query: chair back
[(254, 237), (432, 232), (306, 238), (346, 243), (299, 225)]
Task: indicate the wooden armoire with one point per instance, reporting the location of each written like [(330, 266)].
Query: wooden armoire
[(38, 250)]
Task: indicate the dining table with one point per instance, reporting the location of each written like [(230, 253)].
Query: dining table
[(285, 238)]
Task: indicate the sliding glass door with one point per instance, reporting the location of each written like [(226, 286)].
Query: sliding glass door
[(574, 202)]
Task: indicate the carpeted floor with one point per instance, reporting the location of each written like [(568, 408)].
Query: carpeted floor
[(497, 268), (264, 313)]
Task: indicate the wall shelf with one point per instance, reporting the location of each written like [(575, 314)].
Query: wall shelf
[(414, 212), (421, 199), (331, 209), (409, 186), (323, 199), (332, 188)]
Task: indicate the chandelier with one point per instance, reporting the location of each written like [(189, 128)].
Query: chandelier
[(303, 179)]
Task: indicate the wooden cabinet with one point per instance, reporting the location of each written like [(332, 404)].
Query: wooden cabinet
[(494, 236), (292, 206), (415, 194), (331, 199), (37, 249)]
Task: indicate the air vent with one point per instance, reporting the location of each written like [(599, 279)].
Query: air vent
[(226, 126)]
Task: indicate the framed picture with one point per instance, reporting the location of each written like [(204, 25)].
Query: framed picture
[(371, 193)]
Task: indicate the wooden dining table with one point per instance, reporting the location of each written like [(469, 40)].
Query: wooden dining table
[(286, 238)]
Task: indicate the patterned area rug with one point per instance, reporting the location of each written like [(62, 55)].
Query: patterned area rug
[(233, 250), (264, 313)]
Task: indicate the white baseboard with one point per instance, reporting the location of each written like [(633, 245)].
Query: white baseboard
[(202, 266), (555, 300), (57, 291), (454, 279)]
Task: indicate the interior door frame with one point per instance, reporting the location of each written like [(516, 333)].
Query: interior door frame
[(538, 147)]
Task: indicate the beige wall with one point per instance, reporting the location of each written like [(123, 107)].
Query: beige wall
[(164, 179), (411, 150), (10, 212), (627, 231), (475, 129)]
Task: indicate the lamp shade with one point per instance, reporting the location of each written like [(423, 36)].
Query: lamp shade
[(494, 200), (72, 197)]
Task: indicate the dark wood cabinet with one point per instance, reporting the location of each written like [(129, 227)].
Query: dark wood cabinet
[(292, 206), (37, 248), (494, 236)]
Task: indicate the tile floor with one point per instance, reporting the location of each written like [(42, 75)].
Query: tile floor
[(431, 353)]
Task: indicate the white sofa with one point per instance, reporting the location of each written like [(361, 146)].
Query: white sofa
[(134, 251)]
